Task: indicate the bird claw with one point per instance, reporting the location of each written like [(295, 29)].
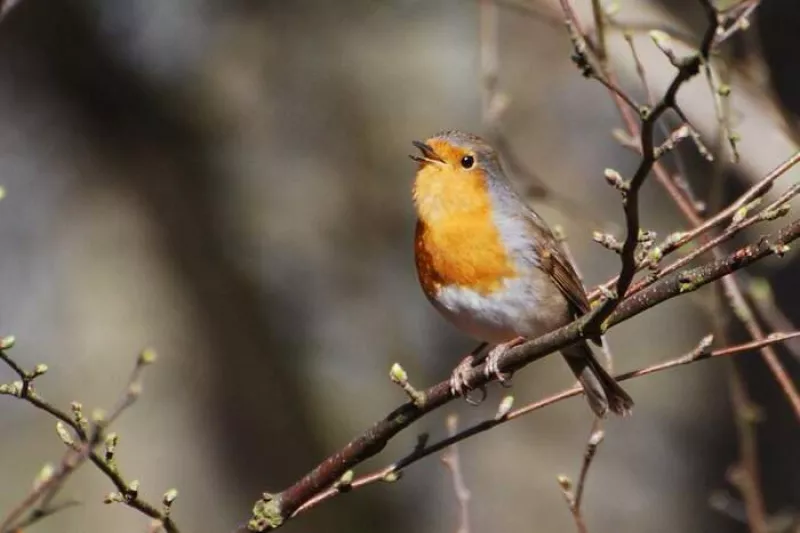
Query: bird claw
[(492, 368), (458, 382)]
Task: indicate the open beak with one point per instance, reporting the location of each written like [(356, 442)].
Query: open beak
[(428, 155)]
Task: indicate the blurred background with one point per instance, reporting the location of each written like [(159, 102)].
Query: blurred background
[(228, 183)]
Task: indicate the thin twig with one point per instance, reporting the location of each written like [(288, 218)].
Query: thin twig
[(745, 475), (762, 297), (719, 239), (677, 240), (89, 437), (594, 440), (582, 60), (720, 314), (577, 516), (575, 497), (600, 32), (736, 21), (452, 461), (743, 312), (392, 472), (628, 35)]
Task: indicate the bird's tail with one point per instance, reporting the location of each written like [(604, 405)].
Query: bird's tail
[(602, 391)]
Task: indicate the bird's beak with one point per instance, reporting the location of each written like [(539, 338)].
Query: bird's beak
[(428, 155)]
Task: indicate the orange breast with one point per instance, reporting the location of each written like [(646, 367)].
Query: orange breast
[(459, 244)]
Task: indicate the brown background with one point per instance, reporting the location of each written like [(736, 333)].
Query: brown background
[(228, 182)]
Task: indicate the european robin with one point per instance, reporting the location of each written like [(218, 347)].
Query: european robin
[(492, 266)]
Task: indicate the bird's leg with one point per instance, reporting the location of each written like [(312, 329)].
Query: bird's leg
[(493, 359), (458, 381)]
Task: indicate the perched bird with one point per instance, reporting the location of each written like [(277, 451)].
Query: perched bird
[(492, 266)]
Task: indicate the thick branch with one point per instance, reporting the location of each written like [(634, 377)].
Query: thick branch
[(271, 511), (504, 414)]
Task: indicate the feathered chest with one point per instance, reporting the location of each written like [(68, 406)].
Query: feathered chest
[(464, 251)]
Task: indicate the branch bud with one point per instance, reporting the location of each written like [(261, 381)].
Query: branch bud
[(113, 497), (132, 490), (38, 370), (64, 434), (398, 374), (391, 476), (345, 482), (702, 350), (99, 416), (111, 446), (607, 292), (167, 501), (654, 257), (780, 249), (663, 42), (7, 342), (134, 390), (147, 356), (672, 141), (775, 212), (743, 211), (616, 180), (44, 475), (169, 497), (77, 415), (596, 438), (504, 408), (608, 241)]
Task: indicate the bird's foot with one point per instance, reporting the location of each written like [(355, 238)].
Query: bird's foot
[(492, 368), (458, 380)]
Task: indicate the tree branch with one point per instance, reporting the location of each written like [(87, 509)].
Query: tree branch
[(733, 291), (687, 69), (82, 437), (272, 510), (504, 414)]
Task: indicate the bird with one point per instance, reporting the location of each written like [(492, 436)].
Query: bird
[(493, 267)]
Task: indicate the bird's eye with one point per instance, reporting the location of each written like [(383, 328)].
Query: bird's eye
[(467, 162)]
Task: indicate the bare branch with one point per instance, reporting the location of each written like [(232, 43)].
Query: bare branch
[(684, 203), (89, 434), (595, 438), (574, 498), (760, 293), (272, 511), (505, 414), (452, 461), (745, 475)]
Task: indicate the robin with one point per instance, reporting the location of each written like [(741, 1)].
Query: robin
[(492, 266)]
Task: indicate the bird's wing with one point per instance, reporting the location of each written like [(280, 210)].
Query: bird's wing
[(554, 261)]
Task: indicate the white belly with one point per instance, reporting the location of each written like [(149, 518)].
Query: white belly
[(521, 307)]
